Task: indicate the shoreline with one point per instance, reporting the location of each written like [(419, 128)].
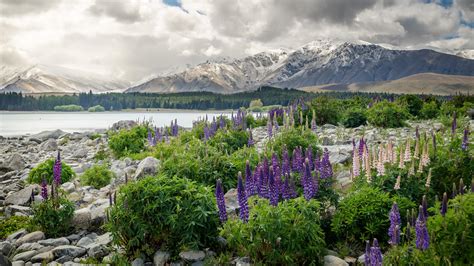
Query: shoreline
[(138, 110)]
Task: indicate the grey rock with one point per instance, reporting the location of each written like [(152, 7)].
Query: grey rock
[(4, 260), (80, 152), (44, 257), (104, 239), (330, 260), (44, 135), (28, 247), (74, 237), (361, 259), (49, 145), (138, 262), (68, 250), (54, 242), (192, 255), (98, 212), (68, 187), (36, 140), (12, 210), (17, 263), (97, 251), (232, 204), (85, 242), (15, 236), (14, 162), (339, 153), (82, 218), (21, 197), (148, 166), (5, 248), (29, 238), (160, 258), (123, 124), (66, 260), (25, 256), (243, 261)]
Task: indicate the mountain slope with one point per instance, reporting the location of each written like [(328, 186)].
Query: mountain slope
[(425, 83), (319, 62), (47, 79)]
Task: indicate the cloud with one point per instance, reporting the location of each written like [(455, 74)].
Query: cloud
[(121, 11), (23, 7), (467, 9)]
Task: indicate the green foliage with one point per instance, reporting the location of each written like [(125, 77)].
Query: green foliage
[(256, 103), (354, 117), (430, 110), (292, 138), (53, 216), (413, 103), (229, 140), (387, 114), (239, 158), (126, 142), (101, 154), (363, 214), (406, 255), (97, 108), (286, 234), (68, 108), (11, 225), (97, 176), (45, 169), (162, 212), (328, 110)]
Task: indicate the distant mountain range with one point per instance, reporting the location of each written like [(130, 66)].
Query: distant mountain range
[(328, 64)]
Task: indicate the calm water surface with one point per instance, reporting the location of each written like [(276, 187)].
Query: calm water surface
[(22, 123)]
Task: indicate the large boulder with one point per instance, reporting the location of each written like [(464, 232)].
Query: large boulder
[(330, 260), (21, 197), (123, 124), (54, 242), (49, 145), (69, 251), (25, 256), (82, 218), (12, 210), (44, 135), (29, 238), (148, 166), (14, 162), (44, 257), (5, 248)]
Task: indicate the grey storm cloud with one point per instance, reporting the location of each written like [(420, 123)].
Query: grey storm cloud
[(22, 7), (116, 10), (467, 9)]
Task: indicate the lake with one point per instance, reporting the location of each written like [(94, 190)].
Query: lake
[(22, 123)]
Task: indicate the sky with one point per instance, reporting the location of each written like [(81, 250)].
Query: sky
[(136, 39)]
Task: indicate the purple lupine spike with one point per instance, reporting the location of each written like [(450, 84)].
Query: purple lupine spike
[(158, 135), (221, 201), (326, 167), (150, 138), (250, 141), (465, 141), (313, 125), (286, 194), (57, 170), (307, 180), (395, 222), (222, 122), (44, 189), (422, 236), (454, 125), (309, 156), (273, 188), (444, 204), (242, 198), (375, 254), (269, 128), (248, 179), (298, 160), (285, 162), (367, 253), (261, 183), (361, 146), (424, 204)]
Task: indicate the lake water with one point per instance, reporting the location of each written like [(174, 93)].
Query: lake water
[(22, 123)]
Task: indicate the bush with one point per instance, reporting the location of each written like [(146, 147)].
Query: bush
[(288, 233), (293, 138), (97, 176), (412, 103), (363, 215), (127, 142), (256, 103), (68, 108), (97, 108), (229, 140), (328, 110), (45, 169), (11, 225), (430, 110), (53, 216), (387, 114), (354, 117), (163, 212)]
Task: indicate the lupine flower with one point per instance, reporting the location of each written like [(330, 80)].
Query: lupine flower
[(380, 168), (286, 194), (249, 183), (309, 156), (221, 201), (422, 237), (428, 180), (242, 198), (394, 229), (424, 204), (401, 163), (433, 138), (285, 163), (408, 232), (367, 253), (57, 170), (150, 138), (397, 183), (355, 164), (326, 171), (454, 124), (444, 204), (417, 149), (313, 124), (309, 189), (273, 188), (44, 189), (407, 152), (297, 160), (375, 254), (454, 194), (461, 187), (250, 142), (269, 128), (465, 142), (411, 171), (110, 200)]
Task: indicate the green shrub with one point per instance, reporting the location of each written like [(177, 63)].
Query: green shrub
[(97, 176), (97, 108), (387, 114), (292, 138), (413, 103), (127, 142), (45, 169), (162, 212), (354, 117), (328, 110), (11, 225), (53, 216), (286, 234), (68, 108), (363, 215), (101, 154), (430, 110), (229, 140)]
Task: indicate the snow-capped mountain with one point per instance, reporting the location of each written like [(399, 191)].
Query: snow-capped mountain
[(316, 63), (469, 53), (48, 79)]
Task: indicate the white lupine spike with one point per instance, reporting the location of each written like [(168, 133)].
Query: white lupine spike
[(408, 151), (397, 183), (417, 149), (355, 164), (428, 179), (401, 163)]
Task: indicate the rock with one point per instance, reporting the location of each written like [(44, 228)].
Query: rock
[(17, 263), (85, 242), (28, 247), (49, 145), (15, 236), (98, 212), (97, 251), (4, 260), (339, 153), (68, 187), (21, 197), (123, 124), (160, 258), (148, 166), (244, 261), (192, 255), (44, 135), (54, 242), (138, 262), (25, 256), (82, 218), (68, 250), (232, 204), (5, 248), (350, 260), (104, 239), (80, 152), (36, 140), (12, 210), (330, 260), (14, 162), (44, 257), (29, 238), (361, 259)]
